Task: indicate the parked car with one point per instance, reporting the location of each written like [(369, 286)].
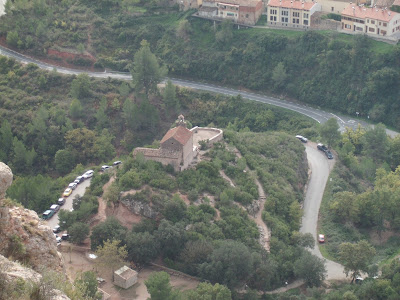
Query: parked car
[(321, 238), (329, 154), (322, 147), (72, 185), (58, 239), (79, 179), (105, 167), (359, 280), (65, 236), (61, 201), (116, 163), (302, 138), (67, 192), (55, 207), (57, 229), (88, 174), (48, 214)]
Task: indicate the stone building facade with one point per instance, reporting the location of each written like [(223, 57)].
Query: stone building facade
[(125, 277), (176, 147)]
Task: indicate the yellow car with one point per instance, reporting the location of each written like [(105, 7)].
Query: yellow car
[(67, 192)]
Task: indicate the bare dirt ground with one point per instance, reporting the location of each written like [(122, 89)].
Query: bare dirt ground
[(80, 263)]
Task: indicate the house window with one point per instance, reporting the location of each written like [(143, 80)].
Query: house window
[(305, 22), (305, 16), (285, 13), (383, 32), (371, 29), (368, 21), (247, 15), (284, 20), (384, 24), (380, 23), (347, 26), (359, 28), (332, 9), (296, 14), (230, 14), (372, 21)]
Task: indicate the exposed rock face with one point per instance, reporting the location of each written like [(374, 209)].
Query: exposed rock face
[(13, 272), (139, 207), (23, 236), (38, 240), (6, 178)]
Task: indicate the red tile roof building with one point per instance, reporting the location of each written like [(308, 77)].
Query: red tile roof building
[(290, 13), (245, 12), (370, 20), (176, 147)]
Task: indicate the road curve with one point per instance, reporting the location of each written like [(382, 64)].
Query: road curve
[(318, 115), (320, 168)]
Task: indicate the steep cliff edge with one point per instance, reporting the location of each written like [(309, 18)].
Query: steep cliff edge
[(25, 238)]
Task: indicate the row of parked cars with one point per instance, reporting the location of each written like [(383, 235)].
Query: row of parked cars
[(61, 201), (321, 147)]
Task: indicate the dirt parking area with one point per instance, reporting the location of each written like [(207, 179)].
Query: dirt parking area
[(77, 261)]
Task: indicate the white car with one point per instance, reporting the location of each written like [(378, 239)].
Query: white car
[(105, 167), (55, 207), (302, 138), (88, 174), (72, 185), (58, 239)]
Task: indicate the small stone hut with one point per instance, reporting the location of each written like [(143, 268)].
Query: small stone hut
[(125, 277), (176, 147)]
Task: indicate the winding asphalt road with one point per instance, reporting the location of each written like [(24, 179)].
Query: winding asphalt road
[(320, 166), (318, 115)]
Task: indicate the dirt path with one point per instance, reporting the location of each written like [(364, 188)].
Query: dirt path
[(265, 233), (101, 213), (222, 173)]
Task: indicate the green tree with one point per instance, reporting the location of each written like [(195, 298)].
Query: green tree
[(356, 257), (81, 143), (75, 109), (87, 281), (64, 161), (310, 268), (279, 75), (111, 255), (112, 193), (79, 232), (210, 292), (225, 34), (101, 116), (171, 238), (12, 38), (159, 287), (229, 264), (345, 206), (110, 229), (142, 247), (376, 143), (103, 149), (170, 100), (81, 86), (146, 72), (23, 158), (329, 132), (6, 141), (129, 113), (175, 209)]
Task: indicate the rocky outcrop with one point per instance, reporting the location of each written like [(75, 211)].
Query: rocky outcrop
[(139, 207), (14, 274), (6, 177), (22, 234), (24, 237)]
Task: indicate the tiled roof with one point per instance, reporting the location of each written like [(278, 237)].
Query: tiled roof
[(179, 133), (363, 12), (396, 2), (292, 4), (252, 3)]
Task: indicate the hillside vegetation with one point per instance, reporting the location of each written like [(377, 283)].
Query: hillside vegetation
[(350, 74)]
